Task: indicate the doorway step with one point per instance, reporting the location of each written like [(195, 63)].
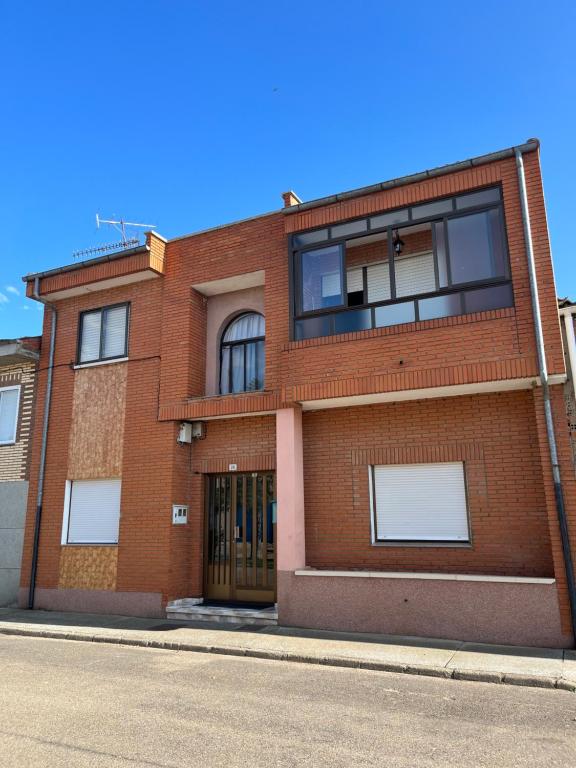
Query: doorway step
[(193, 609)]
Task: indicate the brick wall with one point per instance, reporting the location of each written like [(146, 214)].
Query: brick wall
[(495, 435)]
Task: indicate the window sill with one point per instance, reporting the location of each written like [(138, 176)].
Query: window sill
[(7, 442), (444, 544), (89, 544), (426, 576), (100, 362)]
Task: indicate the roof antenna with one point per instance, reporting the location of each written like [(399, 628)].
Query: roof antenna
[(126, 242)]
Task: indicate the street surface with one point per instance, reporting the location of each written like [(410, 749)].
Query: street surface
[(82, 704)]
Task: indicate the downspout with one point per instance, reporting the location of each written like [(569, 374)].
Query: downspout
[(543, 371), (40, 493)]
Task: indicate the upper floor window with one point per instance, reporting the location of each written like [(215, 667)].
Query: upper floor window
[(445, 257), (242, 354), (103, 334), (9, 401)]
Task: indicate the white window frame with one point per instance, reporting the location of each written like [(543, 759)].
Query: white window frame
[(66, 520), (15, 428), (424, 541)]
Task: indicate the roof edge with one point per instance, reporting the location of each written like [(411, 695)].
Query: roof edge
[(530, 146), (88, 263)]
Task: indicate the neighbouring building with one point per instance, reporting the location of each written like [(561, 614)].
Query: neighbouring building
[(337, 407), (18, 371)]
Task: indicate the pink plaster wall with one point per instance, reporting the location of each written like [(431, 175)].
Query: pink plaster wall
[(473, 611), (290, 525), (220, 310)]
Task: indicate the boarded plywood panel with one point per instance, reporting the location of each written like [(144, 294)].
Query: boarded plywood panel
[(88, 567), (97, 432)]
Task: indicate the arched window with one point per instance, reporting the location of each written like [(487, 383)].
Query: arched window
[(242, 354)]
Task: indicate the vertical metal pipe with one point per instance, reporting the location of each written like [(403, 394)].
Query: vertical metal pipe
[(558, 491), (41, 471)]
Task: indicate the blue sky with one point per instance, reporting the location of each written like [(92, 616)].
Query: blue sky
[(188, 114)]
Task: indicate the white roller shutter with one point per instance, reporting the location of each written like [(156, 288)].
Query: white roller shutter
[(114, 330), (414, 274), (9, 400), (378, 276), (354, 280), (94, 512), (420, 502), (90, 342)]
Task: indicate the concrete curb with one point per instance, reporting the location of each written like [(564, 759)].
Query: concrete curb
[(479, 676)]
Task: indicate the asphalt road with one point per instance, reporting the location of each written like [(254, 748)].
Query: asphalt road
[(81, 704)]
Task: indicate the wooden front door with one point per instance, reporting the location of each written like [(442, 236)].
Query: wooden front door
[(240, 538)]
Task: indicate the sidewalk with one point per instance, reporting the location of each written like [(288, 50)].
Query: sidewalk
[(540, 667)]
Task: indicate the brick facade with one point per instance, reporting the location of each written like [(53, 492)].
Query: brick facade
[(498, 434)]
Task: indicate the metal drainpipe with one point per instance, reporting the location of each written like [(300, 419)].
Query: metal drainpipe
[(558, 491), (40, 493)]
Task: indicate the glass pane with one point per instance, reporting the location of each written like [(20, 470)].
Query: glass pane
[(90, 341), (259, 531), (350, 228), (114, 331), (495, 297), (249, 529), (358, 320), (394, 314), (239, 531), (476, 248), (440, 306), (322, 278), (248, 326), (238, 368), (485, 197), (260, 363), (308, 238), (388, 219), (313, 327), (270, 528), (8, 415), (225, 371), (251, 372), (432, 209), (441, 254)]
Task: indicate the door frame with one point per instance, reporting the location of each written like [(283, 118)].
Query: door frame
[(231, 591)]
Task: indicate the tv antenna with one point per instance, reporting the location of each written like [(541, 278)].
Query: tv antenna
[(124, 243)]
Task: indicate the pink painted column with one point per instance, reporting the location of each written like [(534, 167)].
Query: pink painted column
[(290, 539)]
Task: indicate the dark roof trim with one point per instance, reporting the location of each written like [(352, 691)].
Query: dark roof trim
[(88, 263), (530, 146)]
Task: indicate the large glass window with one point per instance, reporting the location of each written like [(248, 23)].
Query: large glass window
[(242, 355), (322, 278), (476, 248), (438, 258), (103, 334)]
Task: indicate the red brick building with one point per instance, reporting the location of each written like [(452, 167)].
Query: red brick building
[(337, 407)]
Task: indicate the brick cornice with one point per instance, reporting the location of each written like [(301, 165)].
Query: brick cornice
[(497, 370)]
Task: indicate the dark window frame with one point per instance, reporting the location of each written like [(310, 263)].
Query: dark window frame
[(244, 343), (295, 283), (102, 311)]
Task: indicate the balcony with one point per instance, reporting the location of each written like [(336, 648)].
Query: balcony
[(438, 259)]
